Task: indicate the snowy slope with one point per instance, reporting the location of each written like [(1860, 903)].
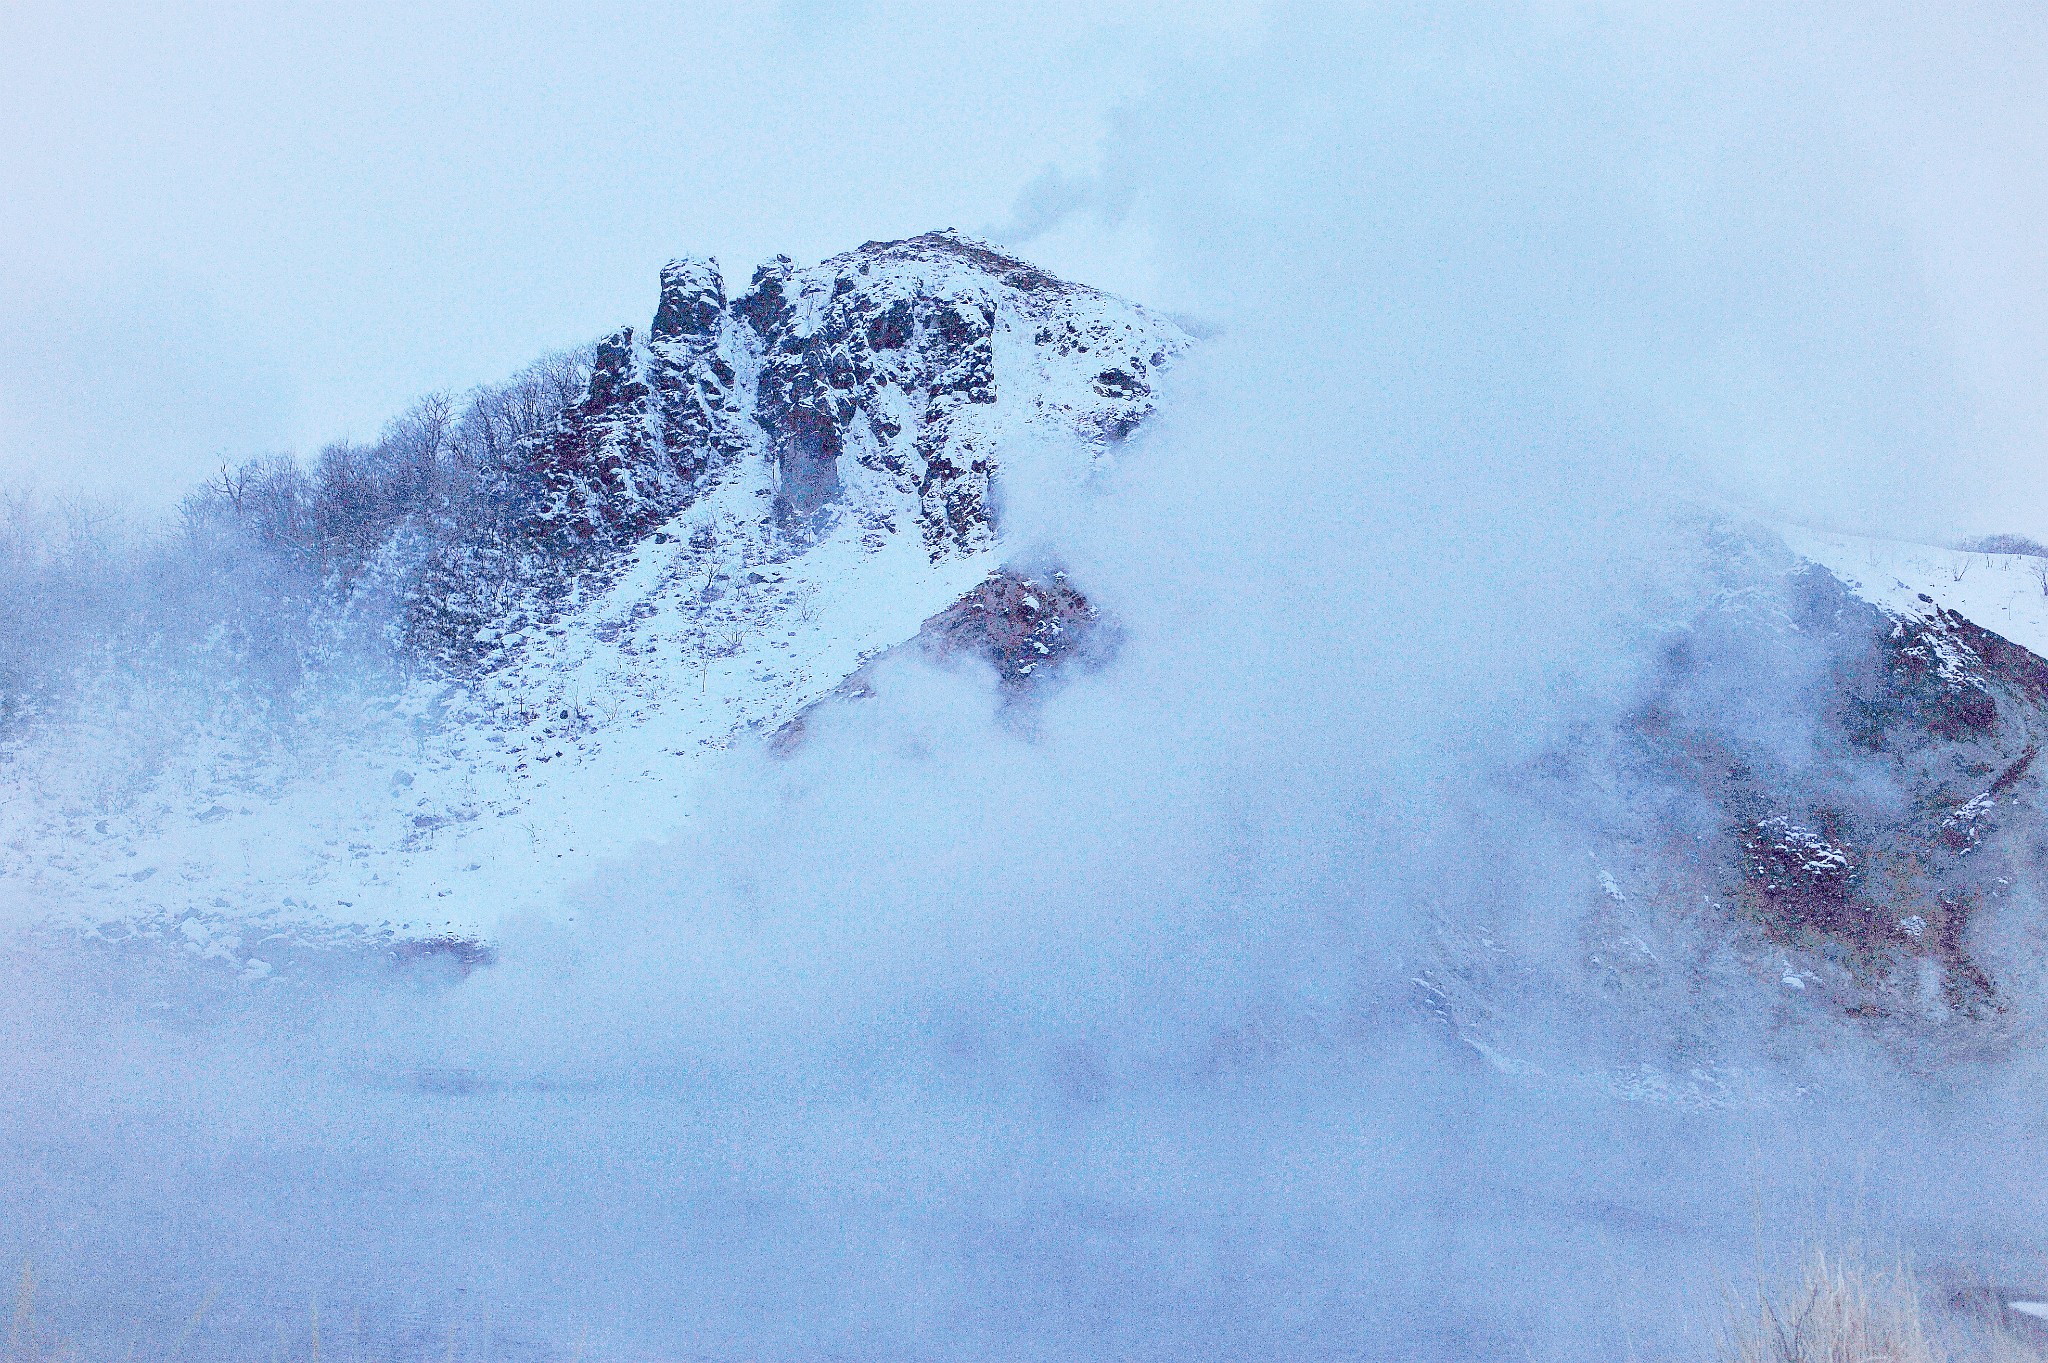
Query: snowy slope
[(2004, 593), (461, 803)]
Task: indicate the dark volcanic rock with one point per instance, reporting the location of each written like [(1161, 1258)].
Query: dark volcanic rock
[(1872, 783), (692, 301), (887, 370), (1027, 628), (597, 472), (878, 365), (1800, 874), (701, 409), (1024, 627)]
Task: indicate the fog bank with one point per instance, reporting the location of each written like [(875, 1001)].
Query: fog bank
[(1094, 1031)]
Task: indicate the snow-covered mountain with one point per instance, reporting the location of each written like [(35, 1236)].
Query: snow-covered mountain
[(747, 505), (1822, 799)]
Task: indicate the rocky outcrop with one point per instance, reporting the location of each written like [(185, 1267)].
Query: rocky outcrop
[(870, 362), (655, 423), (891, 374), (1026, 628), (597, 474), (694, 382)]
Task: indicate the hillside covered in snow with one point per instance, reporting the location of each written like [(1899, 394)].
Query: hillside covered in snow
[(520, 629), (491, 654)]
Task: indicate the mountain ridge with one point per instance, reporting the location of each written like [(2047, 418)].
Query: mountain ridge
[(866, 385), (730, 522), (721, 522)]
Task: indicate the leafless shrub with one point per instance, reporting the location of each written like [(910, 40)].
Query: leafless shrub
[(2004, 544)]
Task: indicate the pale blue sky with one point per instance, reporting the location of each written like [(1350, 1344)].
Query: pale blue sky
[(239, 227), (236, 228)]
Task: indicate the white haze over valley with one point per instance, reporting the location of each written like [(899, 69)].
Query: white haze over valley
[(1091, 1028)]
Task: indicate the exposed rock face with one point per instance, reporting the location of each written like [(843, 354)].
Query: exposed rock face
[(889, 375), (1870, 846), (1799, 876), (1846, 790), (1027, 628), (1823, 803), (598, 472), (873, 397), (702, 413)]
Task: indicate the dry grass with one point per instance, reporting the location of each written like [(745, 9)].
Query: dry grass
[(1840, 1311), (1837, 1311), (24, 1343)]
